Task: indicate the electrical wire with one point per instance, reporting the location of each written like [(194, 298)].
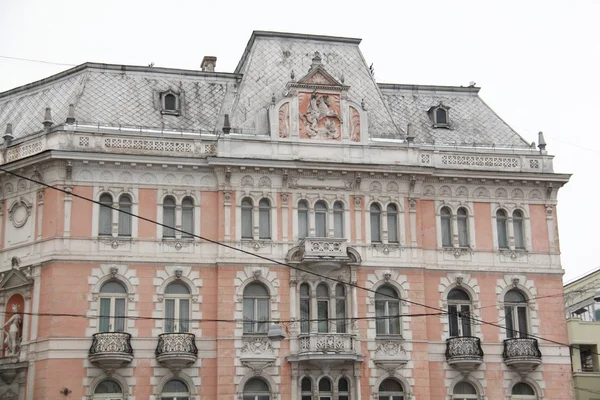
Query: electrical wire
[(272, 260), (37, 61)]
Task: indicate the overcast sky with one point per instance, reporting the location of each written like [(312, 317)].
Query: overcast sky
[(537, 62)]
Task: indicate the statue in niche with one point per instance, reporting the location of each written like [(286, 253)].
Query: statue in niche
[(13, 339), (319, 116)]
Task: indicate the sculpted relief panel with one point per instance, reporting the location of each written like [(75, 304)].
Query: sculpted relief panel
[(354, 125), (319, 116)]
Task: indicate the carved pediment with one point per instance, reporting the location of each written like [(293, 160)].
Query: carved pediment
[(319, 77), (14, 279)]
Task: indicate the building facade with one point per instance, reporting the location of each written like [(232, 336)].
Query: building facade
[(582, 303), (404, 237)]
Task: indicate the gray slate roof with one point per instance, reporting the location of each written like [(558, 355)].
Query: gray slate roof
[(111, 96), (471, 120), (125, 95)]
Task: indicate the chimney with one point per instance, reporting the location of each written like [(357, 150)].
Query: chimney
[(208, 64)]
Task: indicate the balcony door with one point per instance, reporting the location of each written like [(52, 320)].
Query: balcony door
[(112, 307), (177, 308)]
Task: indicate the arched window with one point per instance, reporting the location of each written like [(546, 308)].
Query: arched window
[(462, 221), (169, 217), (391, 389), (124, 219), (343, 389), (177, 308), (175, 389), (306, 390), (441, 116), (392, 222), (518, 229), (446, 222), (264, 219), (501, 228), (459, 312), (302, 219), (256, 389), (320, 219), (338, 219), (325, 389), (522, 391), (323, 308), (515, 312), (112, 307), (170, 102), (105, 215), (375, 223), (108, 390), (387, 311), (187, 217), (464, 391), (256, 308), (247, 224), (340, 308), (304, 308)]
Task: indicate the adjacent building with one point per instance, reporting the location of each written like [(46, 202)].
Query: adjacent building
[(403, 237), (582, 301)]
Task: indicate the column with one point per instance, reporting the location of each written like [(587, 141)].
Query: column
[(412, 204), (227, 214)]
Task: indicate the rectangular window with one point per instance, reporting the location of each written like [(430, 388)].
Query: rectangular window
[(453, 319), (394, 321), (302, 224), (502, 237), (375, 227), (446, 232), (587, 359), (249, 316), (104, 320), (187, 222), (105, 226), (465, 317), (340, 309), (463, 232), (169, 316), (264, 224), (518, 231), (262, 312), (338, 224), (119, 315), (510, 333), (169, 221), (323, 316), (124, 221), (305, 315), (247, 223), (184, 315), (320, 224), (392, 228), (380, 322)]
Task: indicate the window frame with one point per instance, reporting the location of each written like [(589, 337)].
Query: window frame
[(247, 218), (112, 297), (386, 312), (434, 116), (108, 396), (256, 324), (255, 395), (465, 396), (177, 298), (175, 395), (167, 111), (125, 201), (169, 232), (375, 214), (513, 316), (514, 396), (391, 395), (392, 216), (463, 219), (338, 219), (303, 213), (502, 218), (105, 212), (188, 206), (457, 316), (264, 212), (446, 219), (518, 219), (321, 217)]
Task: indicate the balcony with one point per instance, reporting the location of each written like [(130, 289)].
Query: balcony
[(326, 348), (111, 350), (257, 352), (464, 353), (522, 354), (176, 350), (324, 248)]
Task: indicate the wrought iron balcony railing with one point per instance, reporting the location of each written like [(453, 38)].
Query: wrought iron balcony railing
[(521, 348), (463, 347), (111, 343), (111, 350), (176, 343)]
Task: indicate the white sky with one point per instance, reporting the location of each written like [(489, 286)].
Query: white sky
[(537, 62)]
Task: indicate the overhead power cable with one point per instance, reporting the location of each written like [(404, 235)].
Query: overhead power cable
[(270, 259)]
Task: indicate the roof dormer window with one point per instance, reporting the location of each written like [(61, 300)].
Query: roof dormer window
[(440, 115), (170, 103)]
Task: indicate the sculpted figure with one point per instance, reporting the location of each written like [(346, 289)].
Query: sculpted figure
[(13, 341)]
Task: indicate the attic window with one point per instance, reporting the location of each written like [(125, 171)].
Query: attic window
[(440, 115), (170, 103)]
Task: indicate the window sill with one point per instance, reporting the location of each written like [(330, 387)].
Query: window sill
[(174, 113)]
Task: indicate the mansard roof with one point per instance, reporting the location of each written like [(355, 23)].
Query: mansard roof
[(118, 95)]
